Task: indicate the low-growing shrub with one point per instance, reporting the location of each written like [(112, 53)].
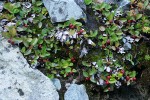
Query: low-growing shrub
[(103, 56)]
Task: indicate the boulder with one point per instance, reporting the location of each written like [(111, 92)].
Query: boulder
[(20, 82), (63, 10), (81, 4), (76, 92), (56, 83)]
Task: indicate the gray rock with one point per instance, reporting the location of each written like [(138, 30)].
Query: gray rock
[(127, 46), (20, 82), (76, 92), (63, 10), (136, 92), (1, 6), (81, 4), (56, 83)]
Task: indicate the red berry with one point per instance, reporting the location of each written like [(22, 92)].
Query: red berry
[(103, 46), (87, 78), (71, 73), (108, 42), (40, 46), (73, 59), (106, 82), (127, 78), (109, 89), (81, 31), (67, 74), (71, 26), (122, 71), (129, 21), (9, 40), (25, 25), (108, 77), (12, 42), (133, 21), (134, 37), (134, 78)]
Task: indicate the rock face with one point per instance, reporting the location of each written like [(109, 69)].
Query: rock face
[(18, 81), (76, 92), (63, 10), (56, 83), (137, 92), (81, 4)]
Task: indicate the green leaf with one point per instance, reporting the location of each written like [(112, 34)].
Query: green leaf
[(129, 57), (92, 80), (16, 11), (119, 75), (146, 2), (138, 16), (102, 5), (70, 64), (34, 41), (40, 24), (68, 69), (74, 70), (112, 80), (23, 50), (77, 24), (132, 74), (99, 63), (12, 8), (85, 74), (86, 64), (119, 32), (110, 16), (123, 20), (93, 71), (101, 68), (51, 76), (27, 52), (93, 34), (114, 27), (106, 90), (33, 1), (87, 2), (38, 3)]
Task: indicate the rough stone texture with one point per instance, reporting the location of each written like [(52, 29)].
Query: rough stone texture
[(76, 92), (18, 81), (81, 4), (137, 92), (56, 83), (134, 92), (63, 10)]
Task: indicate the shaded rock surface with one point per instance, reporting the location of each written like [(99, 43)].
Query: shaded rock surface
[(56, 83), (63, 10), (81, 4), (137, 92), (76, 92), (18, 81)]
